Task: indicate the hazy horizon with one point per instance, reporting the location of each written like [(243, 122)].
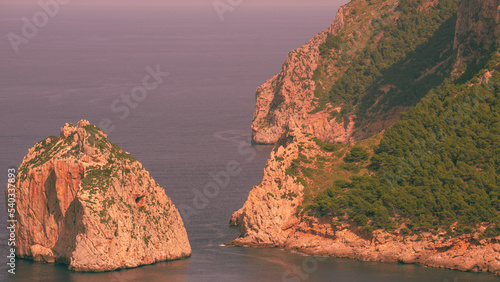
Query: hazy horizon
[(182, 2)]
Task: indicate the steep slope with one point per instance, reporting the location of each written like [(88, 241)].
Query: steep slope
[(417, 188), (288, 95), (352, 80), (84, 202)]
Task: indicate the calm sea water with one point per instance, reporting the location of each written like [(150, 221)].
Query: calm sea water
[(186, 129)]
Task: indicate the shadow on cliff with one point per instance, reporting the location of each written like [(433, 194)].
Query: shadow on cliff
[(71, 226), (53, 205), (406, 82), (69, 222), (410, 79)]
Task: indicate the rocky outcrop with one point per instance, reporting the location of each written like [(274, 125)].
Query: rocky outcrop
[(285, 115), (322, 237), (271, 206), (270, 218), (83, 201), (289, 96)]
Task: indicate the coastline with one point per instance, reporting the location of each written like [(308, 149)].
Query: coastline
[(316, 237), (270, 219)]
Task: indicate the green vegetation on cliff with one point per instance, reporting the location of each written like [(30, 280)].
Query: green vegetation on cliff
[(438, 167), (407, 51)]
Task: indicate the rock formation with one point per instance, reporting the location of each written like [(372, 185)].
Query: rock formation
[(83, 201), (285, 115), (269, 218), (290, 95), (269, 213), (283, 97)]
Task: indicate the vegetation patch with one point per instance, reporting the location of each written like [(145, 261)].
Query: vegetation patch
[(407, 51), (437, 166)]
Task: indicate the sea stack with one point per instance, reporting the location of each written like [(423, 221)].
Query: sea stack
[(83, 201)]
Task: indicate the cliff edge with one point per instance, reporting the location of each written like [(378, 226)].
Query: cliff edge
[(350, 175)]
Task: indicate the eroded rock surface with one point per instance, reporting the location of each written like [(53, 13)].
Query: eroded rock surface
[(285, 115), (83, 201)]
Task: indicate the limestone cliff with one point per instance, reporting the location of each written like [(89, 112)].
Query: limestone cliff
[(287, 115), (269, 213), (291, 95), (270, 218), (302, 92), (83, 201)]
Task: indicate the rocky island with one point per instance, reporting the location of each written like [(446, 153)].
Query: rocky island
[(83, 201), (386, 139)]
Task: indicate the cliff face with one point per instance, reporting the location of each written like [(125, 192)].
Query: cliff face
[(270, 218), (287, 115), (293, 97), (84, 202), (269, 213), (290, 98), (288, 95)]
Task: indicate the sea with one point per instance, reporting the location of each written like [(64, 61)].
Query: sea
[(82, 62)]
